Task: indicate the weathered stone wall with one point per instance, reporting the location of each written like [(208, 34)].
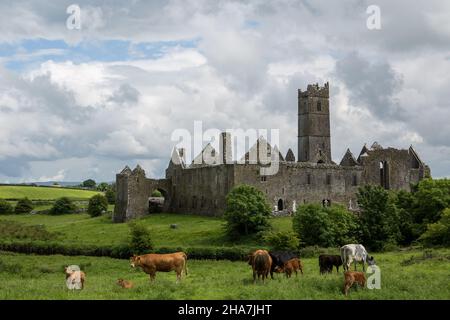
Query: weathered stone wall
[(121, 204), (133, 193), (201, 190), (303, 183), (401, 173)]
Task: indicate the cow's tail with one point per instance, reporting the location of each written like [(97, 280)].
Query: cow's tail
[(344, 261), (185, 264)]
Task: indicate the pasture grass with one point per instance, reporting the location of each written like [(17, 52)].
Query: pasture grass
[(192, 230), (43, 193), (41, 277)]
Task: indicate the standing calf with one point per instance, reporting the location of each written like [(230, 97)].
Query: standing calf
[(292, 266), (351, 277)]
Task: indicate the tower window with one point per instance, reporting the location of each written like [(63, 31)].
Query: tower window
[(308, 178), (319, 106), (328, 179), (263, 178)]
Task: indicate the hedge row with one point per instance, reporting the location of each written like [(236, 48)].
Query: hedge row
[(121, 251)]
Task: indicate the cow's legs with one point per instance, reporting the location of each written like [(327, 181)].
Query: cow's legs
[(347, 287), (152, 276), (254, 276)]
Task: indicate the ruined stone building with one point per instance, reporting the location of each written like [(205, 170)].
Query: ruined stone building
[(313, 177)]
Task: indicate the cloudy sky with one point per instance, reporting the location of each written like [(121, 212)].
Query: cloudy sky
[(78, 104)]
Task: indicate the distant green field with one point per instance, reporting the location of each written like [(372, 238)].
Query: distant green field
[(41, 277), (43, 193), (192, 230)]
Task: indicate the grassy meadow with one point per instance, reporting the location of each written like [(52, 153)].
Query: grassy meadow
[(404, 275), (191, 230), (43, 193)]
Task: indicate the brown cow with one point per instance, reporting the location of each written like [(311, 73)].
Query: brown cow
[(152, 262), (292, 266), (352, 277), (125, 284), (261, 263)]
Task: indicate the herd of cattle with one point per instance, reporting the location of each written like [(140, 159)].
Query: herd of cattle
[(263, 263)]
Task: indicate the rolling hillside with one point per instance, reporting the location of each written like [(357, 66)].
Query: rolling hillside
[(43, 193)]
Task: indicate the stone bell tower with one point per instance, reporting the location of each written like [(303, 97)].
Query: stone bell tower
[(314, 124)]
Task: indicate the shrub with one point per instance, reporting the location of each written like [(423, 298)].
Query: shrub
[(284, 241), (5, 207), (24, 206), (110, 195), (157, 194), (140, 238), (63, 206), (97, 205), (438, 233), (247, 211)]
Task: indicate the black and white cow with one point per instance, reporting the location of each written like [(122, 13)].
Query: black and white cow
[(356, 253)]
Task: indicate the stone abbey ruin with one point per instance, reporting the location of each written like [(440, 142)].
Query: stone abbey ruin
[(201, 188)]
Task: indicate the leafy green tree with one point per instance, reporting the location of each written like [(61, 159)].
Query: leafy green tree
[(5, 207), (140, 238), (247, 211), (438, 233), (284, 241), (97, 205), (421, 207), (103, 186), (63, 206), (431, 198), (312, 225), (89, 183), (379, 218), (325, 226), (343, 225), (24, 205), (110, 195)]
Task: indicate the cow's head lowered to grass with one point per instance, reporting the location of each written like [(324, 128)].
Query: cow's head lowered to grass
[(135, 261)]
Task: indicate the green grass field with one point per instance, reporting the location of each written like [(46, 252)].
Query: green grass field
[(41, 277), (191, 231), (43, 193)]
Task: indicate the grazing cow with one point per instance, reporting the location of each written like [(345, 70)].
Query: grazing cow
[(261, 263), (356, 253), (152, 262), (326, 263), (292, 266), (279, 258), (351, 277), (125, 284), (74, 277)]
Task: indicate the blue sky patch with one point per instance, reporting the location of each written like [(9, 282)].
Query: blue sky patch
[(30, 53)]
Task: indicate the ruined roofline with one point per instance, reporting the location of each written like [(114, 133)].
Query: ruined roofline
[(311, 165), (414, 153)]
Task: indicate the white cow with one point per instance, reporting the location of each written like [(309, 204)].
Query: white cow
[(356, 253)]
